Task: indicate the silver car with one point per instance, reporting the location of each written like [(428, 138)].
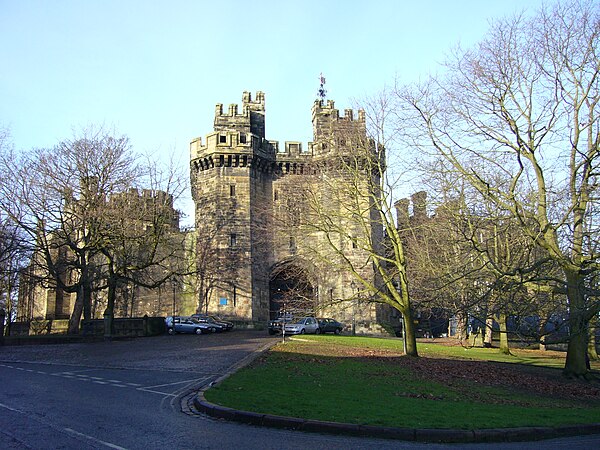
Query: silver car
[(180, 324), (304, 325)]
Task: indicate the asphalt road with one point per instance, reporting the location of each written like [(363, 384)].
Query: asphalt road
[(137, 394)]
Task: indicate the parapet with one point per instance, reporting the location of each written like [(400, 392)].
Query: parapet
[(259, 103), (328, 125), (328, 109), (250, 120)]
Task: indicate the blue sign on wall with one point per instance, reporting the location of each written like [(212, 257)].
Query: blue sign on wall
[(222, 301)]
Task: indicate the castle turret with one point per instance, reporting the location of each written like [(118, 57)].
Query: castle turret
[(231, 181), (250, 120), (419, 201), (332, 130), (402, 213)]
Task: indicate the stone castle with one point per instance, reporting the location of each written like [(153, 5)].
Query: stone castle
[(247, 205), (250, 251)]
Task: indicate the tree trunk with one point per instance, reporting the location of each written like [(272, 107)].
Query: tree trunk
[(87, 302), (461, 326), (575, 364), (489, 332), (200, 296), (109, 312), (75, 318), (410, 338), (504, 347), (86, 288), (592, 352), (542, 333)]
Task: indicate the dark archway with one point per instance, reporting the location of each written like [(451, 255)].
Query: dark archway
[(291, 290)]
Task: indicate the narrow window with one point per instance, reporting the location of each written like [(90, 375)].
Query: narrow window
[(232, 190), (292, 243), (222, 138), (232, 240), (242, 138), (275, 195)]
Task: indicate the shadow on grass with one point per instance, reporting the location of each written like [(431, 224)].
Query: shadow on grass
[(344, 380)]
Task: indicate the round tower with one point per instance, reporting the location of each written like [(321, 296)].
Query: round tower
[(231, 182)]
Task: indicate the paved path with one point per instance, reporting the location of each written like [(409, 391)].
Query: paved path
[(139, 394)]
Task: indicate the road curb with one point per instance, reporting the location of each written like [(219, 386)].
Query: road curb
[(432, 435)]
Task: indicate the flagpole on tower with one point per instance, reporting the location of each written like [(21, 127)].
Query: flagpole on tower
[(322, 92)]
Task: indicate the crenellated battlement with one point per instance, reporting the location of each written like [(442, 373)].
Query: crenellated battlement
[(250, 120), (243, 133), (327, 109), (330, 130), (231, 149), (231, 142)]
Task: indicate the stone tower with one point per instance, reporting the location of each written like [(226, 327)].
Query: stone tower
[(242, 183)]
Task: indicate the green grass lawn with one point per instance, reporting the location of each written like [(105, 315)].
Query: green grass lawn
[(366, 381)]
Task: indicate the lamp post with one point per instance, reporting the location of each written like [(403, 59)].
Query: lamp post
[(173, 285)]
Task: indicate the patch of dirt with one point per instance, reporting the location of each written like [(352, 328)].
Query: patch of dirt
[(545, 382)]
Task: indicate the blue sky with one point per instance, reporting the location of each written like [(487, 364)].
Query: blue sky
[(155, 69)]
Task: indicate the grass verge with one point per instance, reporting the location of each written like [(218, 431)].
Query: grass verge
[(367, 381)]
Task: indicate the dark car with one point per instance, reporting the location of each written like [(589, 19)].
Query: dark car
[(276, 325), (330, 326), (207, 318), (208, 321)]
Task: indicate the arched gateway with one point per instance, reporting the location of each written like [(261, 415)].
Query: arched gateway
[(291, 291)]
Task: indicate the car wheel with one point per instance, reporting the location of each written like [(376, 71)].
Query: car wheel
[(302, 331), (213, 330), (271, 332), (198, 331), (318, 331), (171, 331), (337, 331)]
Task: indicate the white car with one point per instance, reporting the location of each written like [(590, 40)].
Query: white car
[(304, 325)]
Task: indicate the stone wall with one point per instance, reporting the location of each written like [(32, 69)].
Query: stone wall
[(133, 327), (251, 188)]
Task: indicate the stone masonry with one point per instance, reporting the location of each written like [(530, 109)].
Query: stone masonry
[(242, 185)]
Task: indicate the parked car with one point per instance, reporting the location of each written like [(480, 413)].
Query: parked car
[(180, 324), (276, 325), (212, 324), (304, 325), (225, 324), (330, 326)]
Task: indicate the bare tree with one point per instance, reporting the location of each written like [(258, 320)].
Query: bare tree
[(14, 249), (87, 228), (350, 225), (56, 197), (517, 118)]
